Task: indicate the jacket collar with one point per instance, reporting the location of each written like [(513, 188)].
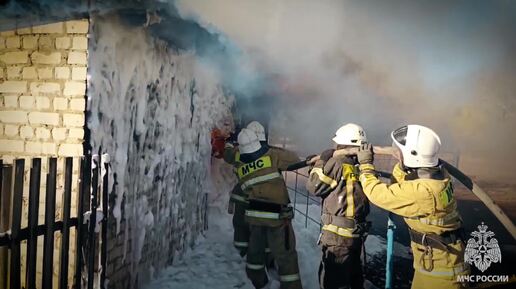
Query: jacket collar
[(433, 173), (251, 157)]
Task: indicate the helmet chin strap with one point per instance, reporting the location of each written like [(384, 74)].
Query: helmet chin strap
[(399, 156)]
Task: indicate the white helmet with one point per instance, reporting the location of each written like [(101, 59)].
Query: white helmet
[(258, 129), (350, 134), (419, 145), (248, 141)]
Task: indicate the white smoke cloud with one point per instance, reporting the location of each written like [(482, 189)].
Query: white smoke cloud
[(383, 64)]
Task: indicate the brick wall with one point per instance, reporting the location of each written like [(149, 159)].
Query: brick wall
[(43, 71), (42, 88), (166, 103)]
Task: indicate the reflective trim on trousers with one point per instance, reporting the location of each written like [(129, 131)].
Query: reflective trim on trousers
[(255, 266), (457, 270), (260, 179), (262, 214), (340, 231), (289, 278), (241, 244), (239, 198)]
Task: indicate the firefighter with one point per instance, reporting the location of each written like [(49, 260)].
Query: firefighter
[(259, 130), (269, 214), (238, 202), (344, 211), (423, 195)]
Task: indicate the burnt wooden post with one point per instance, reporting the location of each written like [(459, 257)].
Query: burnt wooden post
[(15, 278), (32, 241), (65, 240), (50, 218), (105, 210), (93, 221)]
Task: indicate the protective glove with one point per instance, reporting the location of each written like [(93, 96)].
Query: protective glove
[(327, 154), (365, 154), (309, 158), (232, 139)]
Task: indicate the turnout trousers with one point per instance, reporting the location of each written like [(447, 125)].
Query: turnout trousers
[(341, 265), (240, 229), (241, 234), (442, 267), (282, 243), (422, 281)]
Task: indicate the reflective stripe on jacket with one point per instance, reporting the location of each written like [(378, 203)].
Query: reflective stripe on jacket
[(239, 198), (262, 214), (428, 207), (336, 182), (261, 179), (344, 232)]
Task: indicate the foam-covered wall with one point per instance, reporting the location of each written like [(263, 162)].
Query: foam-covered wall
[(151, 108)]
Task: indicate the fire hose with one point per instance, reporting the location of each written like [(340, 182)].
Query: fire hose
[(454, 172)]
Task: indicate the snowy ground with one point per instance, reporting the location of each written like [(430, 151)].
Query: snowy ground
[(215, 264)]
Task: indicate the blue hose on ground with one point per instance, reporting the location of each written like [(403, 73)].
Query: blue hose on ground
[(390, 250)]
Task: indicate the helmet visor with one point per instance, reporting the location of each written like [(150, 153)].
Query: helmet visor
[(400, 135)]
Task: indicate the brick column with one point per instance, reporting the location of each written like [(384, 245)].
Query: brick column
[(43, 72)]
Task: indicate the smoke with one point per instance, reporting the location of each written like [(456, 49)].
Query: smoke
[(449, 65), (311, 66)]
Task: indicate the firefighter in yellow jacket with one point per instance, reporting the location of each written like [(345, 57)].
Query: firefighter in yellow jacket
[(268, 214), (344, 211), (423, 195)]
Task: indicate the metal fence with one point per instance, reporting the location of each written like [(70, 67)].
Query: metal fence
[(301, 199), (93, 193)]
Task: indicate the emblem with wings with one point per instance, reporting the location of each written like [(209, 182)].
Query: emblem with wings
[(482, 249)]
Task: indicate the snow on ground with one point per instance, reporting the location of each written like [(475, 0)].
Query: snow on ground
[(215, 264)]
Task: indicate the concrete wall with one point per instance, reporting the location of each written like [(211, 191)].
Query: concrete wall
[(43, 71)]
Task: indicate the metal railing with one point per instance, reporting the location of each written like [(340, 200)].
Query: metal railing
[(298, 193)]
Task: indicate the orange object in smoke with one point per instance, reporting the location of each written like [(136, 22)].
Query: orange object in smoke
[(218, 141)]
